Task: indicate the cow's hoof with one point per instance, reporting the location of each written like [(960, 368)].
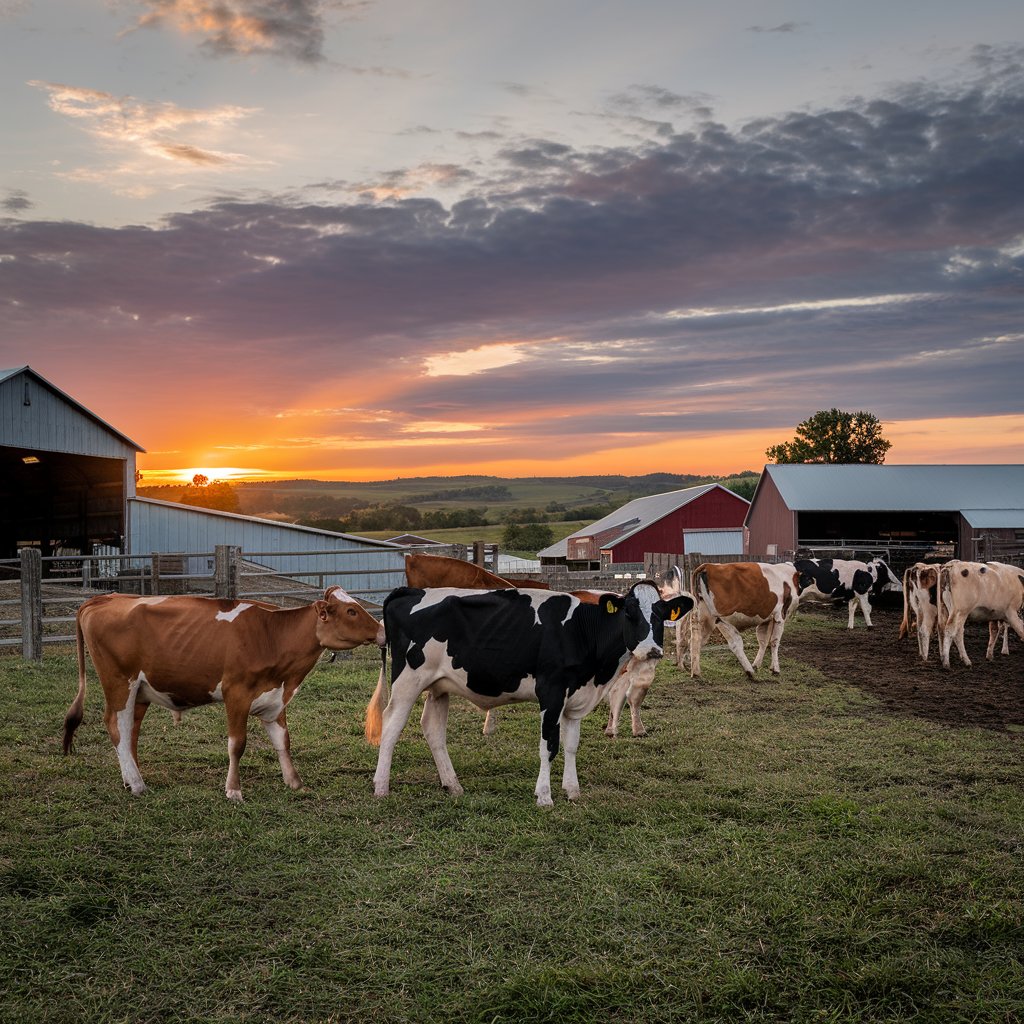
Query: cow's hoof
[(544, 800), (234, 795), (380, 792), (454, 789), (609, 731), (136, 790), (640, 732)]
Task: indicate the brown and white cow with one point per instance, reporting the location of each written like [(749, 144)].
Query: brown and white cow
[(734, 596), (441, 571), (920, 604), (989, 592), (183, 652)]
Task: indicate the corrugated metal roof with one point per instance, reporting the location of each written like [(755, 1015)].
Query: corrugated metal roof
[(994, 518), (643, 510), (826, 488)]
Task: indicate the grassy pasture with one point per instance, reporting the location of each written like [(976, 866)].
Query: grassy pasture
[(771, 851)]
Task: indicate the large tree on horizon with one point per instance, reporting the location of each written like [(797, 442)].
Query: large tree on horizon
[(834, 436)]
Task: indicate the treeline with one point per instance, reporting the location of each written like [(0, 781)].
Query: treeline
[(399, 519)]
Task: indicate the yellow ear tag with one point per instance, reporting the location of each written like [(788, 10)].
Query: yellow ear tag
[(611, 607), (675, 613)]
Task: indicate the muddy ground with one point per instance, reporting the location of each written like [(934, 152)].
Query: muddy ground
[(989, 695)]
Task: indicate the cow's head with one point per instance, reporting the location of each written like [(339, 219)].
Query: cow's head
[(644, 614), (885, 578), (343, 623)]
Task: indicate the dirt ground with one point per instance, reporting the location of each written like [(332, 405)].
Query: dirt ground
[(989, 694)]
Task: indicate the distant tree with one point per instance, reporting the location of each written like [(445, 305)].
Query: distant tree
[(526, 537), (744, 487), (219, 495), (199, 480), (834, 436)]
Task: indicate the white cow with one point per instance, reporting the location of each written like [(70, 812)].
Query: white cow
[(980, 592)]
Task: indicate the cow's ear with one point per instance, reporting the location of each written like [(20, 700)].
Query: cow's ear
[(611, 603), (321, 609), (675, 608)]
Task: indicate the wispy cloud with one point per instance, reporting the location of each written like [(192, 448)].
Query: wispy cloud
[(136, 130)]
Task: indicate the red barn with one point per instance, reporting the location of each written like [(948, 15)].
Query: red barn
[(652, 524)]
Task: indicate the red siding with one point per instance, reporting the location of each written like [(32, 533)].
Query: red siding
[(770, 521), (717, 507)]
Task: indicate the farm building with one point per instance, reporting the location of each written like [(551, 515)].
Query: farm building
[(65, 475), (970, 512), (695, 519), (67, 484)]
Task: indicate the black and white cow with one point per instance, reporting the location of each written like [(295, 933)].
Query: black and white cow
[(502, 646), (838, 579)]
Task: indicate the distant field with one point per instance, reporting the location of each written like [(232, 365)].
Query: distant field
[(429, 493), (468, 534)]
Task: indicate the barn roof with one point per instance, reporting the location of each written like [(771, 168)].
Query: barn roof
[(16, 371), (634, 516), (827, 488)]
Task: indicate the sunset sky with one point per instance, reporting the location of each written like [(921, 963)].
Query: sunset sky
[(360, 239)]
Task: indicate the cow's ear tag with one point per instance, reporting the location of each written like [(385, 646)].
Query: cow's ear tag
[(611, 607), (674, 614)]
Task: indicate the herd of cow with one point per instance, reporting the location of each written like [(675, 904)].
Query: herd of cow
[(457, 629)]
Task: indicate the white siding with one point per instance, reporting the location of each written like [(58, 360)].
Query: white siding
[(360, 566)]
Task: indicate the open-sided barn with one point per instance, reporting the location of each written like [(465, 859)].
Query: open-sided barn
[(656, 523), (971, 512), (65, 474)]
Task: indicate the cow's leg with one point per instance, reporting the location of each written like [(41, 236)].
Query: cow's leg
[(734, 639), (238, 721), (953, 630), (404, 695), (434, 722), (701, 628), (778, 626), (550, 713), (924, 638), (277, 731), (763, 632), (490, 722), (570, 744), (1006, 638), (122, 729), (993, 639), (638, 677), (616, 698)]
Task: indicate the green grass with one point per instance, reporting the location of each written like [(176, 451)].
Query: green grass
[(771, 851)]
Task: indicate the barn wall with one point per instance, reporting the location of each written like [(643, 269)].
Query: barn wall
[(715, 508), (770, 521), (49, 423)]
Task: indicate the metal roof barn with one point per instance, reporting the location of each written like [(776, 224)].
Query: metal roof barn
[(655, 523), (972, 512)]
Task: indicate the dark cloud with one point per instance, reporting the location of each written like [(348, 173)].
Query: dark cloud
[(292, 29), (785, 27), (869, 256), (16, 201)]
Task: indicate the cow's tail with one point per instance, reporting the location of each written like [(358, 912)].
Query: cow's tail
[(905, 624), (378, 702), (73, 719), (943, 597)]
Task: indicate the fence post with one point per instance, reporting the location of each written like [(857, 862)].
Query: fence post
[(155, 575), (225, 571), (479, 552), (32, 603)]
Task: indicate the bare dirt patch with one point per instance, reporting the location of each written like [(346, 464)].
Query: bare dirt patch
[(989, 694)]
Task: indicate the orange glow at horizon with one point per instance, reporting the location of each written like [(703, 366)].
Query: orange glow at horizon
[(991, 439)]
